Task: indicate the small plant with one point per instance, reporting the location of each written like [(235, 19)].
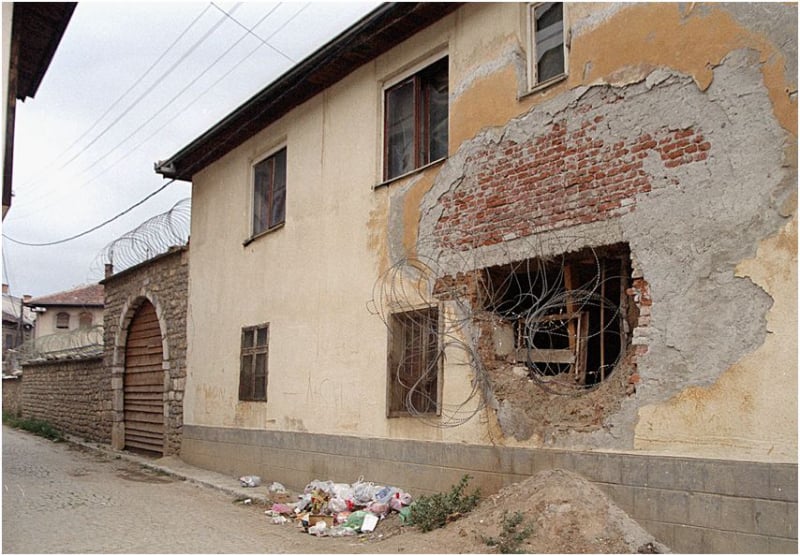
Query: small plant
[(36, 426), (437, 510), (510, 540)]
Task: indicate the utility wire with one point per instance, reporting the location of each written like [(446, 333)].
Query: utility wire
[(250, 31), (90, 230), (177, 95), (129, 153), (135, 83)]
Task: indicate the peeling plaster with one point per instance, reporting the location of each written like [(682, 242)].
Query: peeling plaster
[(687, 234)]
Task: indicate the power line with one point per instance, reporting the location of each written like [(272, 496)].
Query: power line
[(135, 83), (90, 230), (250, 31), (182, 91)]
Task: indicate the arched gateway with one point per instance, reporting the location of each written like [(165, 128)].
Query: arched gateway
[(143, 382)]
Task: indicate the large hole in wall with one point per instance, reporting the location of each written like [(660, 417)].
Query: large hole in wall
[(555, 337), (566, 316)]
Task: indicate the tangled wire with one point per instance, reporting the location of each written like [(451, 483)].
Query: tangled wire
[(151, 238), (552, 315)]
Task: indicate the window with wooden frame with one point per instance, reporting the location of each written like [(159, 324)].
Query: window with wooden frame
[(85, 319), (62, 320), (416, 119), (547, 54), (415, 383), (253, 371), (269, 193)]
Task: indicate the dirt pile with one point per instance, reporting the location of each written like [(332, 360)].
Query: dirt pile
[(564, 512)]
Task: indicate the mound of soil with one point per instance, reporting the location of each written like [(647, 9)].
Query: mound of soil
[(564, 512)]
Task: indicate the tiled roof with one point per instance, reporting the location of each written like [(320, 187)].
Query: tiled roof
[(87, 296)]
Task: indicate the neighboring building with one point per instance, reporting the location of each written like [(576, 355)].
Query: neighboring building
[(17, 323), (67, 311), (495, 238), (31, 33)]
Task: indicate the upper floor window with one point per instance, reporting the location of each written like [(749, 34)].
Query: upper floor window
[(85, 319), (269, 192), (416, 120), (62, 320), (548, 54)]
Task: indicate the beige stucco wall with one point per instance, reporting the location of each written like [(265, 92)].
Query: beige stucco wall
[(46, 321), (312, 278)]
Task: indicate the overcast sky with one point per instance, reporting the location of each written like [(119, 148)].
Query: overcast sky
[(130, 84)]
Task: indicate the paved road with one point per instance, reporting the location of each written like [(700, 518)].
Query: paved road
[(61, 498)]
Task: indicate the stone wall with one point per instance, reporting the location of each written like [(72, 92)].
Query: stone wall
[(12, 395), (690, 504), (163, 281), (72, 395)]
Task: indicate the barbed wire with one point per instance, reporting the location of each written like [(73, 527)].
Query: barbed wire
[(151, 238), (80, 343), (516, 296)]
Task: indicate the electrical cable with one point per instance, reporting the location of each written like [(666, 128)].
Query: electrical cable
[(90, 230), (250, 31), (113, 105)]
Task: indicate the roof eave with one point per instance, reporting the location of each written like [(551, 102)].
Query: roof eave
[(385, 24)]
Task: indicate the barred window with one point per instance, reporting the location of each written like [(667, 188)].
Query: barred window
[(547, 51), (253, 372), (414, 385)]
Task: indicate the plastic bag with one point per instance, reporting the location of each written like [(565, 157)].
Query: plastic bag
[(363, 493), (336, 505), (341, 531), (405, 516), (355, 520), (279, 520), (384, 494), (319, 529), (283, 509), (342, 490), (379, 508), (250, 480), (277, 488), (396, 504), (324, 486), (304, 503)]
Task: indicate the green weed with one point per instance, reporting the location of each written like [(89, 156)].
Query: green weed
[(436, 510), (36, 426), (511, 539)]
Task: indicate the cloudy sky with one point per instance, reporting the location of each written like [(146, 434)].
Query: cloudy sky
[(130, 84)]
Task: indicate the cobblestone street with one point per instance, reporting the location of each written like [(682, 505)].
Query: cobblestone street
[(62, 498)]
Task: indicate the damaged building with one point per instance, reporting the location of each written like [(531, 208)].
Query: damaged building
[(500, 238)]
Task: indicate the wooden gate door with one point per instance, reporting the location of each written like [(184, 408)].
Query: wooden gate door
[(144, 383)]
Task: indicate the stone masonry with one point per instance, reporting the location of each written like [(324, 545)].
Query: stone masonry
[(163, 281), (73, 395)]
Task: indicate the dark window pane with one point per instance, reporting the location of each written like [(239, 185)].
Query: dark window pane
[(413, 365), (246, 378), (263, 178), (278, 209), (261, 340), (247, 338), (260, 377), (549, 37), (400, 129), (436, 118)]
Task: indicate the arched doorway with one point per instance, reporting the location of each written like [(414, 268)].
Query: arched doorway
[(144, 383)]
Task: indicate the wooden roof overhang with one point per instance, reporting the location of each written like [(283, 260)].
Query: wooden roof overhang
[(377, 32)]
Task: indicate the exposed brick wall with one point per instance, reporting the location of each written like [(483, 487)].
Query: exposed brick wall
[(557, 179), (72, 395), (12, 395), (164, 282)]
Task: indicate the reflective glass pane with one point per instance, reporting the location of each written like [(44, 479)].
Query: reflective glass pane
[(400, 129)]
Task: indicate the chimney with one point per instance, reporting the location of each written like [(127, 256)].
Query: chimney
[(5, 289), (109, 270)]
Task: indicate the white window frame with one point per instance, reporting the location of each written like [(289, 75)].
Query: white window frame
[(530, 14)]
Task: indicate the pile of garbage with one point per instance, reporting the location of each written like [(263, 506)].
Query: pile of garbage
[(328, 509)]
